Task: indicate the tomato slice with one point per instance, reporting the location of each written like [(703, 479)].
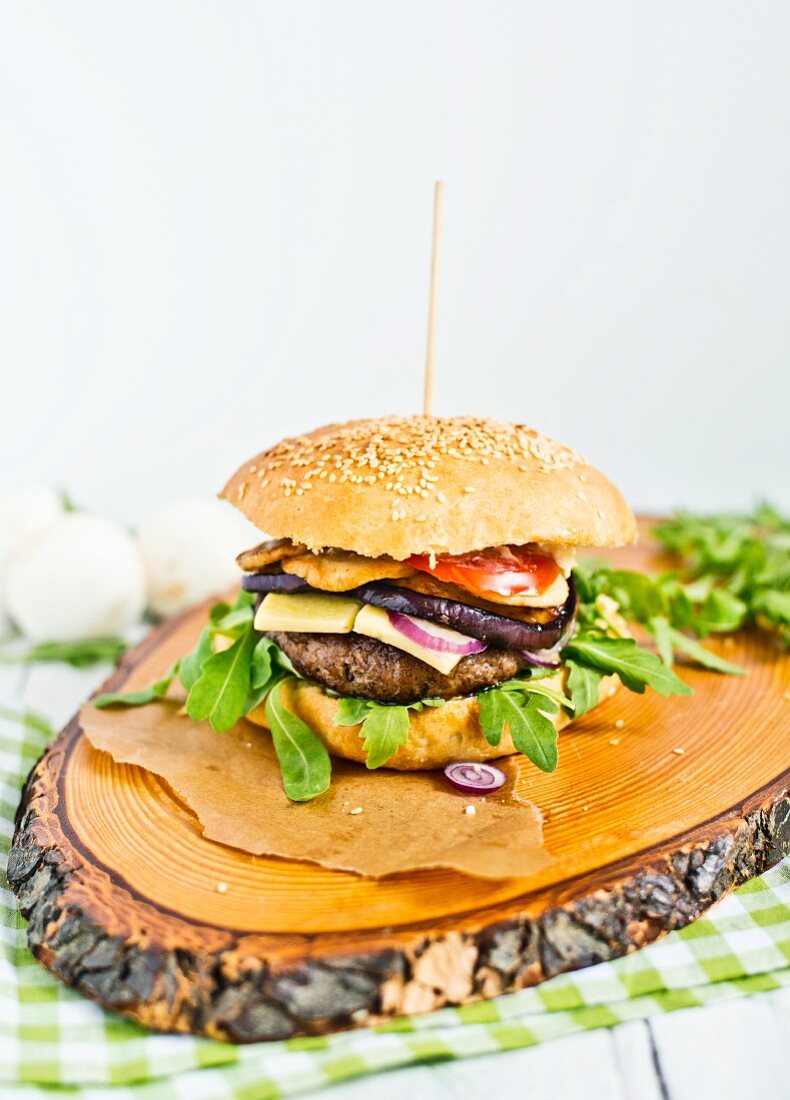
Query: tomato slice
[(497, 570)]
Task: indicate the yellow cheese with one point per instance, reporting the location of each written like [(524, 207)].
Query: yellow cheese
[(307, 612), (375, 623)]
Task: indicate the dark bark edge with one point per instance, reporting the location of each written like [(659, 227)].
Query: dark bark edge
[(237, 990)]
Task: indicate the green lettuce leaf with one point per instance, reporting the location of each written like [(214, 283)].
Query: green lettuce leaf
[(637, 668), (304, 762)]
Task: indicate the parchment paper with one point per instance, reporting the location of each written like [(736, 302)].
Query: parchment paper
[(231, 782)]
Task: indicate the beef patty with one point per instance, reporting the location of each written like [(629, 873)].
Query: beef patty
[(353, 664)]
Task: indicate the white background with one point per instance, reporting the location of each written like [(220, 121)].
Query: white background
[(215, 219)]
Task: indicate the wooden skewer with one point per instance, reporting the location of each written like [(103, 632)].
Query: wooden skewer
[(430, 351)]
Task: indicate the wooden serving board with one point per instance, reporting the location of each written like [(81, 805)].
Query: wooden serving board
[(659, 807)]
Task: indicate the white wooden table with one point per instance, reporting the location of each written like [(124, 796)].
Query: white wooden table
[(733, 1050)]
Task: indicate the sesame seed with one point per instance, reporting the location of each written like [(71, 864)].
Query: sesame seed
[(421, 518), (469, 488), (614, 740), (356, 810), (397, 451), (679, 752), (619, 724), (581, 495), (471, 810), (221, 887), (601, 513)]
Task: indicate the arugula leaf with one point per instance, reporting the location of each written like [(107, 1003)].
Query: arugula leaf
[(583, 684), (383, 727), (662, 632), (350, 711), (383, 731), (721, 612), (218, 611), (667, 636), (138, 698), (637, 668), (221, 687), (531, 686), (267, 667), (192, 664), (526, 717), (304, 762), (220, 693), (774, 605), (745, 560), (81, 653), (638, 596), (231, 622)]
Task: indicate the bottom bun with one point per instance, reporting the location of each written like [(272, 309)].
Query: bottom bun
[(437, 735)]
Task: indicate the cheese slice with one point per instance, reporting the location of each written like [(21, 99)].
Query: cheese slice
[(307, 612), (375, 623)]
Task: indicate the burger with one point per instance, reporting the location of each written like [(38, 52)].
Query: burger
[(416, 591), (417, 603)]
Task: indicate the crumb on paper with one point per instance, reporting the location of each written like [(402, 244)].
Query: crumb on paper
[(679, 752), (614, 740), (470, 810), (357, 810), (221, 887)]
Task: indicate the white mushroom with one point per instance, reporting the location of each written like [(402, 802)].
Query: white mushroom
[(24, 514), (190, 549), (82, 577)]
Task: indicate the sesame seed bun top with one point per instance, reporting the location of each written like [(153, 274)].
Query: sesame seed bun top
[(408, 485)]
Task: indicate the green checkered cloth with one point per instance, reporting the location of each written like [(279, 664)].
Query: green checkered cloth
[(52, 1039)]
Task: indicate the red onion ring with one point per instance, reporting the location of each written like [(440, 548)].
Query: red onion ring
[(471, 778), (538, 661), (412, 630)]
